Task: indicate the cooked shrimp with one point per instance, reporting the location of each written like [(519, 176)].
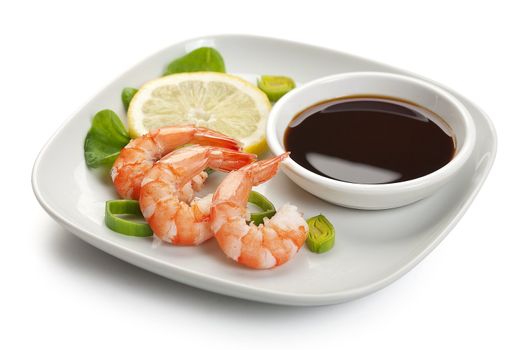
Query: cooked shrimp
[(141, 153), (172, 218), (261, 247)]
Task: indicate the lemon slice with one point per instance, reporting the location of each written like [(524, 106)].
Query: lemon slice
[(218, 101)]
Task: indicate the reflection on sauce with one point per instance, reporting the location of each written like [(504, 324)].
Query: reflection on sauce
[(369, 140)]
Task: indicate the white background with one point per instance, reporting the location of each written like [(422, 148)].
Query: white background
[(473, 291)]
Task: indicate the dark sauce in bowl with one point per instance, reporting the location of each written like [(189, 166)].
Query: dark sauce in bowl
[(369, 140)]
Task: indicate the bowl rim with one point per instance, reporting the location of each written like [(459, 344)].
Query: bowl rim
[(447, 170)]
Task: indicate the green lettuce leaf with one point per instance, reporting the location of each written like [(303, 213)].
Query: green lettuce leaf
[(127, 96), (106, 137), (204, 59)]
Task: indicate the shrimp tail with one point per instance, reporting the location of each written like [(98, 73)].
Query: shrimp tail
[(207, 137), (226, 160), (172, 137), (264, 170)]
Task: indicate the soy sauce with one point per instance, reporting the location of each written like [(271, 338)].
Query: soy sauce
[(369, 140)]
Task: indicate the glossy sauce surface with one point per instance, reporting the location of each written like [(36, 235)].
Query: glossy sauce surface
[(369, 140)]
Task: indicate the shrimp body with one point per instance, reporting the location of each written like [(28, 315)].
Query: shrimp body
[(261, 247), (141, 153), (164, 204)]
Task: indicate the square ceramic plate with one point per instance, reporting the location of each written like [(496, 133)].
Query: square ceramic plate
[(373, 248)]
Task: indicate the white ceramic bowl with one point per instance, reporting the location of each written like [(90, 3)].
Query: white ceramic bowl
[(372, 196)]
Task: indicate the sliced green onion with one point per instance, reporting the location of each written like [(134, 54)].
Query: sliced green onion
[(321, 234), (275, 86), (268, 209), (114, 208)]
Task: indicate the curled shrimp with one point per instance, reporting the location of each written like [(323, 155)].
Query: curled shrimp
[(141, 153), (171, 218), (261, 247)]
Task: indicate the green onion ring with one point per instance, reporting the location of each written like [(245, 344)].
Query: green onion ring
[(113, 208), (275, 86), (321, 234), (268, 209)]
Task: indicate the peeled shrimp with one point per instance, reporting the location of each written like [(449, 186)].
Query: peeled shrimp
[(172, 218), (141, 153), (261, 247)]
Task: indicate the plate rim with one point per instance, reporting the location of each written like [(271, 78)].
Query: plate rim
[(235, 289)]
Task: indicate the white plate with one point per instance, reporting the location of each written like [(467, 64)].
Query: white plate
[(373, 248)]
